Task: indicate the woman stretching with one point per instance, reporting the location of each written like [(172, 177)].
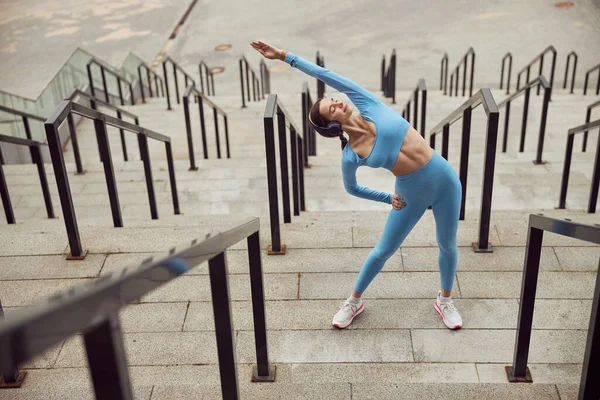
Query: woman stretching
[(379, 137)]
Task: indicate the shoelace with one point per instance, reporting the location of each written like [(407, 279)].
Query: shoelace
[(349, 306), (447, 306)]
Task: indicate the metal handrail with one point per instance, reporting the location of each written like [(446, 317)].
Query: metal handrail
[(587, 75), (297, 148), (463, 61), (510, 58), (320, 61), (588, 116), (210, 79), (484, 97), (574, 55), (100, 121), (567, 167), (539, 57), (119, 78), (421, 87), (539, 81), (176, 68), (444, 73), (26, 117), (157, 78), (388, 77), (201, 99), (589, 386), (36, 158), (265, 78), (93, 309), (256, 83), (308, 132)]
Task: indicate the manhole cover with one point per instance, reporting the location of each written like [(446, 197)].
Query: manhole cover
[(564, 4), (223, 47), (217, 70)]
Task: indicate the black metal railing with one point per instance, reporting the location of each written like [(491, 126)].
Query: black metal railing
[(149, 75), (265, 78), (527, 69), (320, 61), (118, 78), (483, 96), (93, 310), (589, 386), (297, 149), (202, 99), (508, 56), (205, 72), (187, 78), (62, 181), (36, 158), (588, 116), (567, 167), (308, 132), (569, 56), (245, 72), (454, 76), (73, 133), (444, 73), (539, 81), (587, 75), (413, 102), (388, 77)]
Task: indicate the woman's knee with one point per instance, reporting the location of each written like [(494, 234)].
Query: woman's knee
[(382, 252)]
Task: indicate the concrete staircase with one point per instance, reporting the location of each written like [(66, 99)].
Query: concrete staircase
[(397, 349)]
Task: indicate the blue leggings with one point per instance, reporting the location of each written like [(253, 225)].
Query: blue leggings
[(435, 184)]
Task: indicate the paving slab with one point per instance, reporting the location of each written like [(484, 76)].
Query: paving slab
[(562, 314), (67, 393), (330, 346), (158, 317), (45, 360), (47, 267), (23, 293), (31, 244), (578, 258), (515, 234), (568, 392), (541, 373), (422, 285)]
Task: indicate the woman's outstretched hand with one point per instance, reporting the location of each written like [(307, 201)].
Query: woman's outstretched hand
[(268, 51)]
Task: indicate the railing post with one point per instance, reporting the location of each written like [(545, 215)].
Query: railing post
[(107, 360), (524, 123), (242, 83), (506, 122), (172, 180), (595, 181), (91, 80), (472, 73), (589, 387), (188, 130), (585, 84), (588, 116), (74, 143), (120, 91), (488, 183), (423, 111), (166, 79), (383, 75), (552, 73), (416, 107), (36, 155), (203, 127), (451, 83), (8, 210), (12, 378), (540, 74), (540, 147), (247, 80), (295, 166), (519, 372), (408, 113), (253, 86), (301, 148), (109, 172), (445, 140), (221, 300), (64, 192), (176, 83), (145, 156), (226, 136), (464, 158), (393, 81), (276, 245), (509, 74), (464, 82), (305, 124), (457, 78), (283, 162), (202, 79), (104, 85), (212, 84), (566, 169), (444, 75), (432, 140), (141, 84), (150, 83), (131, 95), (262, 372), (122, 134), (216, 119)]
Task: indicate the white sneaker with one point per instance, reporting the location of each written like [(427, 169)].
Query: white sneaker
[(347, 312), (448, 312)]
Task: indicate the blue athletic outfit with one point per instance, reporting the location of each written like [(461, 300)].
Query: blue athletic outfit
[(434, 184)]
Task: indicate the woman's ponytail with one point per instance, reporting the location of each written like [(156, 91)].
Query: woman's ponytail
[(343, 140)]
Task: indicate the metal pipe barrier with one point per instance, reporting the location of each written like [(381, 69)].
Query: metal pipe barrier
[(308, 132), (588, 115), (527, 69), (413, 102), (118, 77), (245, 71), (455, 74), (587, 75), (187, 79), (149, 75), (508, 56), (210, 79), (388, 77), (569, 56)]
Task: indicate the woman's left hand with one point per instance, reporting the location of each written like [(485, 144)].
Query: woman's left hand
[(397, 202), (268, 51)]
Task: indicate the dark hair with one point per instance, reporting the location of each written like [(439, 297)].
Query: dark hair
[(319, 120)]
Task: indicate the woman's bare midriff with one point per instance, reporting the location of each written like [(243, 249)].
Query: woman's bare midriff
[(414, 153)]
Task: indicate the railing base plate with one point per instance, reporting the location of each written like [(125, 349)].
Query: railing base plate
[(539, 163), (518, 379), (276, 253), (193, 169), (80, 173), (14, 385), (71, 257), (476, 248), (269, 378)]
